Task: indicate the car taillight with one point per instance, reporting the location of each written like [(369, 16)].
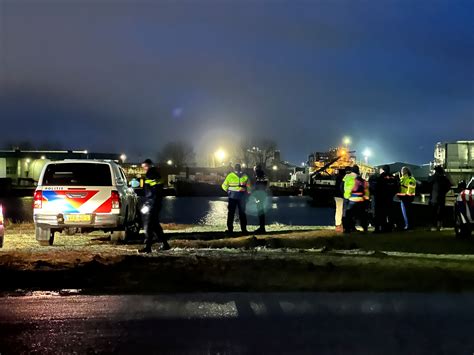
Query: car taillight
[(115, 200), (38, 199)]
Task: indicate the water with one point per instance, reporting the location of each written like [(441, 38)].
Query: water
[(293, 210)]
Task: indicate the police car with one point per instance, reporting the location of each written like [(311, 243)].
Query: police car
[(464, 210), (2, 229), (84, 195)]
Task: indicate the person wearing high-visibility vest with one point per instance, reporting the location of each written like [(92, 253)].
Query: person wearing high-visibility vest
[(151, 208), (237, 186), (406, 196), (355, 201)]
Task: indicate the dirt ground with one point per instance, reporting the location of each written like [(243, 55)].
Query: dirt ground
[(204, 259)]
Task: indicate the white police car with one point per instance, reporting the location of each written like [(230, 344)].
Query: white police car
[(84, 195)]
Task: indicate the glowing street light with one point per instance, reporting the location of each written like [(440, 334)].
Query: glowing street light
[(244, 165), (275, 167), (220, 155), (123, 157), (367, 153), (346, 141), (43, 157), (169, 162)]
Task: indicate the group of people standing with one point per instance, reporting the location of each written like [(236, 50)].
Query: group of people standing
[(237, 185), (358, 199), (355, 198)]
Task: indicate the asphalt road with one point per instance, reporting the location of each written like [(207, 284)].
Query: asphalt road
[(239, 323)]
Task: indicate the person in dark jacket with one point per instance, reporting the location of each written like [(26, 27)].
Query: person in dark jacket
[(440, 185), (151, 208), (260, 194), (383, 187)]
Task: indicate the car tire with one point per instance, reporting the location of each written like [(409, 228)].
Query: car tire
[(44, 236), (462, 230)]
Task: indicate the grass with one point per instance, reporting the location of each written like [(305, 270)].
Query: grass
[(285, 259)]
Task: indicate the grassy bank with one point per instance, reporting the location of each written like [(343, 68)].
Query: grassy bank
[(286, 259)]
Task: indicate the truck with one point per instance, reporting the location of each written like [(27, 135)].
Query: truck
[(456, 158)]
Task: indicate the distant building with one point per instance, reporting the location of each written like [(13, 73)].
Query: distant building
[(18, 167)]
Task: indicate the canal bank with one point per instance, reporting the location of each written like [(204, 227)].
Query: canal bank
[(287, 259)]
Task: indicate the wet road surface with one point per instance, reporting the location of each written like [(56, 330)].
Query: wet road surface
[(239, 323)]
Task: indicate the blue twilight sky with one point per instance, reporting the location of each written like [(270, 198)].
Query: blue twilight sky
[(128, 76)]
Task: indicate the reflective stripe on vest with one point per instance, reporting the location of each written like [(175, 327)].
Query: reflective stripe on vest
[(235, 183), (153, 182)]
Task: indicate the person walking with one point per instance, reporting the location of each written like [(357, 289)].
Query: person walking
[(355, 194), (339, 199), (260, 194), (151, 208), (439, 185), (384, 189), (406, 196), (237, 186)]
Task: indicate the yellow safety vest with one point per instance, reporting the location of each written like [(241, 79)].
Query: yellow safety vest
[(153, 182), (349, 185), (407, 186), (234, 183)]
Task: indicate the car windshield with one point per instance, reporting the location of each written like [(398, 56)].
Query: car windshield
[(77, 174)]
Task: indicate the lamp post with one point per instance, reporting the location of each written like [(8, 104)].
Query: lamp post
[(346, 141), (219, 155), (367, 153)]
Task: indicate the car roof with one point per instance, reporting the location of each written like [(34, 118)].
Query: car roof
[(81, 161)]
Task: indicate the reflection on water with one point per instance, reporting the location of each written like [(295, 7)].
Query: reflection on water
[(293, 210)]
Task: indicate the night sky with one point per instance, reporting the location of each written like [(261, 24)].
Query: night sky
[(129, 76)]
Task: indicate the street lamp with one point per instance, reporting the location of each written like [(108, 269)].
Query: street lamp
[(220, 155), (274, 167), (169, 162), (346, 141), (123, 157), (367, 153)]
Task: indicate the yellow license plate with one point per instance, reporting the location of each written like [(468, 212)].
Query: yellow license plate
[(77, 218)]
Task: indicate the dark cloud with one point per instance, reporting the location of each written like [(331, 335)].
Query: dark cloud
[(129, 76)]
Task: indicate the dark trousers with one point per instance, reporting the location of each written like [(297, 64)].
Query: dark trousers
[(355, 211), (233, 205), (152, 226), (383, 215), (437, 211)]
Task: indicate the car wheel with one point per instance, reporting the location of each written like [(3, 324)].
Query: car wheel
[(44, 236), (462, 230), (132, 230)]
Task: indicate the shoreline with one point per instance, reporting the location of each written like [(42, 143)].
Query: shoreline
[(286, 259)]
